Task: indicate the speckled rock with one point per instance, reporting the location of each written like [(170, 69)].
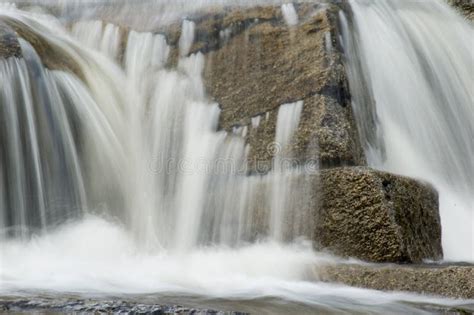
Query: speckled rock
[(447, 281), (75, 305), (255, 63), (466, 7), (377, 216), (9, 45)]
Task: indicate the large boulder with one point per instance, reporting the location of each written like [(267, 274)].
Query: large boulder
[(377, 216), (255, 63), (449, 281), (356, 212)]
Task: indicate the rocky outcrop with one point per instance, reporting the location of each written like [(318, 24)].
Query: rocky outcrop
[(377, 216), (360, 213), (448, 281), (465, 7), (9, 45), (255, 63), (53, 56)]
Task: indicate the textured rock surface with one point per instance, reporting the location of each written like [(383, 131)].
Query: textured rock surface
[(376, 216), (57, 305), (9, 45), (466, 7), (448, 281), (259, 63)]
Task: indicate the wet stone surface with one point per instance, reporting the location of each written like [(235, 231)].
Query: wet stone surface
[(49, 305)]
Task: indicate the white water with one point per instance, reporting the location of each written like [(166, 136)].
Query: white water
[(99, 257), (418, 60), (282, 187), (289, 14)]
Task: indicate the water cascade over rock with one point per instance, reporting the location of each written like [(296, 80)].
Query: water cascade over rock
[(227, 150)]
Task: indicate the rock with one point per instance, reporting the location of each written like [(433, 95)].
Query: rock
[(53, 56), (255, 63), (448, 281), (465, 7), (68, 304), (377, 216), (355, 212), (9, 45)]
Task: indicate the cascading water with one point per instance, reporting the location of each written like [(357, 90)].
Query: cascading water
[(115, 179), (166, 148), (416, 59)]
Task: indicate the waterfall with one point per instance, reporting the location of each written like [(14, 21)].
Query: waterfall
[(120, 162), (116, 178), (96, 35), (137, 143), (41, 175), (289, 13), (414, 66)]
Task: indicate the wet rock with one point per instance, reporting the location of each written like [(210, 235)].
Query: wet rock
[(53, 56), (9, 45), (377, 216), (465, 7), (447, 281), (255, 63), (59, 304)]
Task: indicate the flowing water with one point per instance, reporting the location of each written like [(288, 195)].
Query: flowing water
[(115, 180)]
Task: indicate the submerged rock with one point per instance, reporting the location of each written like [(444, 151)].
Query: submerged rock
[(377, 216), (449, 281)]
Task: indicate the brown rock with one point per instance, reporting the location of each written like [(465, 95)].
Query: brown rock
[(447, 281), (377, 216)]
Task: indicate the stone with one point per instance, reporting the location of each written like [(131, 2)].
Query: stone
[(53, 56), (260, 63), (448, 281), (465, 7), (9, 45), (377, 216)]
